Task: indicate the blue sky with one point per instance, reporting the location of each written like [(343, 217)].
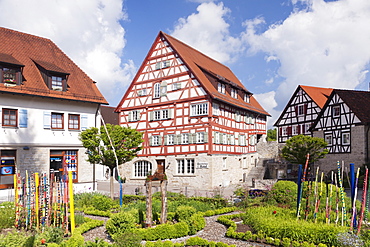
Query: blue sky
[(271, 45)]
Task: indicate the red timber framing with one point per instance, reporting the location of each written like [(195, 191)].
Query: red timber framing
[(174, 100), (301, 111)]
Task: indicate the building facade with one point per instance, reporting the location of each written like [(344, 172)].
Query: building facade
[(46, 100), (200, 124), (301, 111), (344, 123)]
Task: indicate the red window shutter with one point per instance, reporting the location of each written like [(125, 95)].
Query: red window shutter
[(305, 109), (280, 131), (303, 129), (296, 110), (289, 130), (299, 129)]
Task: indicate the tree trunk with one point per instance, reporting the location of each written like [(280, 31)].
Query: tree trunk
[(149, 212), (111, 184), (164, 201)]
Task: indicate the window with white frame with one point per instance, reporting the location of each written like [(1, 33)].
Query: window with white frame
[(155, 140), (217, 138), (247, 98), (329, 139), (307, 127), (184, 138), (295, 130), (170, 140), (224, 138), (134, 115), (200, 137), (284, 131), (300, 110), (253, 140), (142, 92), (336, 110), (185, 166), (142, 168), (162, 64), (199, 109), (157, 115), (234, 93), (232, 140), (241, 140), (237, 116), (176, 86), (244, 162), (157, 90), (221, 88), (346, 139), (165, 114), (216, 109)]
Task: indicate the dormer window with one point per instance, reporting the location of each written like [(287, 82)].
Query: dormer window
[(10, 70), (221, 88), (57, 83), (234, 93), (247, 98), (54, 76)]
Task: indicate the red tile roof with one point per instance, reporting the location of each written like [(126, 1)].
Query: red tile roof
[(318, 94), (196, 61), (29, 50)]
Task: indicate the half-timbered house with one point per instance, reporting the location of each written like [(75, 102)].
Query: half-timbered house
[(200, 124), (46, 100), (344, 123), (301, 111)]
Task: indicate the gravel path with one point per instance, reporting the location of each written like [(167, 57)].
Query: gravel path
[(213, 231)]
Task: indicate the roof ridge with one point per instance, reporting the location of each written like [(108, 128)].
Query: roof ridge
[(165, 34), (23, 33)]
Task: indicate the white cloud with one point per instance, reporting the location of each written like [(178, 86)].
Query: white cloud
[(88, 31), (267, 100), (326, 44), (208, 32)]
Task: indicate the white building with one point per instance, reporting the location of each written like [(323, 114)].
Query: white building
[(46, 100)]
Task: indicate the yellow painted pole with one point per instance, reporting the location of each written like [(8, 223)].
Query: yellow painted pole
[(37, 199), (15, 190), (71, 201)]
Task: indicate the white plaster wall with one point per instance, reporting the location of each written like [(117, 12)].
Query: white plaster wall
[(40, 141)]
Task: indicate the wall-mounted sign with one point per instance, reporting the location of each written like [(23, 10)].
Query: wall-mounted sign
[(202, 165)]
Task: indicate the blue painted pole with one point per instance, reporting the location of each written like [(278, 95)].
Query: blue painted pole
[(120, 192), (352, 182)]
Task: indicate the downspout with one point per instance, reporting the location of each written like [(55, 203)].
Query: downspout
[(96, 125)]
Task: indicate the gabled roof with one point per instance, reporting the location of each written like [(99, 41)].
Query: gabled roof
[(319, 95), (196, 61), (200, 64), (357, 101), (29, 52)]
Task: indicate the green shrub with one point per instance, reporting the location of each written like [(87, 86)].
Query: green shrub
[(127, 239), (164, 231), (283, 192), (285, 242), (102, 202), (51, 235), (277, 241), (184, 212), (14, 239), (7, 215), (120, 223), (85, 199)]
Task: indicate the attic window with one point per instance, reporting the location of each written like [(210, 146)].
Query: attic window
[(54, 76), (221, 88), (234, 93), (10, 75), (247, 98)]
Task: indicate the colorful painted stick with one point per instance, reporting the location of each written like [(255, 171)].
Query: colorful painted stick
[(302, 183), (353, 223), (37, 199), (309, 192), (344, 213), (316, 194), (367, 200), (364, 192), (71, 201), (336, 199)]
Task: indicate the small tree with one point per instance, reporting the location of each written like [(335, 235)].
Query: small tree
[(126, 143), (297, 148)]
